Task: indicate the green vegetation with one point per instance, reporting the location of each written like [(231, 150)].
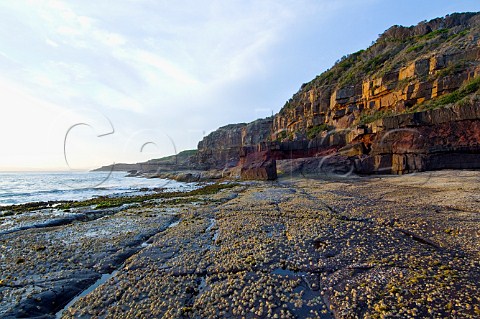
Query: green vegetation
[(348, 61), (20, 208), (385, 55), (369, 117), (459, 35), (471, 87), (172, 159), (187, 153), (291, 136), (402, 83), (108, 202), (452, 69), (451, 98), (348, 78), (281, 136), (433, 34), (396, 48), (375, 63), (314, 131), (6, 213), (289, 103), (337, 73), (417, 47)]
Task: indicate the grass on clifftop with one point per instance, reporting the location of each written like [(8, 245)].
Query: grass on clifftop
[(316, 130), (173, 158)]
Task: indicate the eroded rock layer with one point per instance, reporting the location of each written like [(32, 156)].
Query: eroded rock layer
[(408, 103), (221, 149), (405, 68)]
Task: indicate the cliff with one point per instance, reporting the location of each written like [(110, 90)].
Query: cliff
[(408, 73), (430, 140), (405, 68), (410, 102), (221, 149)]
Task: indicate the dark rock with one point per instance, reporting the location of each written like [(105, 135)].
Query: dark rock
[(133, 173), (257, 131), (430, 140), (258, 166), (47, 303), (422, 67), (221, 149)]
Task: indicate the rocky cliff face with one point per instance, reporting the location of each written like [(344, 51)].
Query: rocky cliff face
[(409, 102), (430, 140), (401, 72), (221, 149)]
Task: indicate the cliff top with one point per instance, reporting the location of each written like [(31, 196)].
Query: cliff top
[(395, 48)]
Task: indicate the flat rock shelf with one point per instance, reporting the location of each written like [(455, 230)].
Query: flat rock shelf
[(295, 248)]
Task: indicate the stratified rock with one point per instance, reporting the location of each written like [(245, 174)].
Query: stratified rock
[(257, 131), (404, 68), (221, 149), (429, 140), (348, 109), (258, 166)]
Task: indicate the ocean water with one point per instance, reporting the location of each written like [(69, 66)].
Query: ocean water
[(26, 187)]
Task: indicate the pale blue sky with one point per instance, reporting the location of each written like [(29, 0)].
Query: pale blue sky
[(163, 71)]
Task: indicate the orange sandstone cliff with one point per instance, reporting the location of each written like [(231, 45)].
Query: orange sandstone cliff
[(410, 102)]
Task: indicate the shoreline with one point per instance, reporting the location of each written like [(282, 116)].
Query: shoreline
[(373, 246), (30, 189)]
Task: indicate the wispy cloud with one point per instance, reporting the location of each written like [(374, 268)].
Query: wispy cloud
[(191, 45), (175, 65)]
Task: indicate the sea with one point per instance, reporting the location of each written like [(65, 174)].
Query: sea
[(27, 187)]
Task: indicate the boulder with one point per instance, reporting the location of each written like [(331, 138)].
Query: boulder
[(258, 166)]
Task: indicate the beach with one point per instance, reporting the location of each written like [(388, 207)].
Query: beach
[(374, 247)]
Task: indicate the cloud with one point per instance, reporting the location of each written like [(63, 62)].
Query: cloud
[(191, 46), (183, 66), (104, 95), (166, 67), (52, 43)]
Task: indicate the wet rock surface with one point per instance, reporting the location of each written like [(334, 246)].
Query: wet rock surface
[(44, 264), (404, 246)]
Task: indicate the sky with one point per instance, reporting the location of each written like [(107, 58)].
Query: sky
[(91, 83)]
